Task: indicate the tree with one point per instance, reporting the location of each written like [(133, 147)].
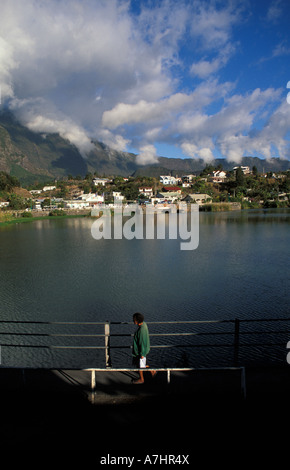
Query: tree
[(240, 178), (45, 203), (255, 171), (8, 182), (17, 202)]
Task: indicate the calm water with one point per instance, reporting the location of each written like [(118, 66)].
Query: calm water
[(53, 270)]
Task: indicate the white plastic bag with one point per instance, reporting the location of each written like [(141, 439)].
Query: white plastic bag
[(142, 362)]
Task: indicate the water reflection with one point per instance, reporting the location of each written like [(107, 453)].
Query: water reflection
[(54, 270), (247, 216)]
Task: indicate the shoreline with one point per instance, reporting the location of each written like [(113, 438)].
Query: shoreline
[(209, 208), (20, 220)]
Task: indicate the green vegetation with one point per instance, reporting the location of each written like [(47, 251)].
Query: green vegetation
[(250, 189), (57, 213), (215, 207), (8, 182), (27, 215)]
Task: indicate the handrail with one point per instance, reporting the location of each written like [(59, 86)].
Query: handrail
[(168, 371), (238, 336)]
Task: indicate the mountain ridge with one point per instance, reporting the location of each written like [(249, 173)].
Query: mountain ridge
[(32, 156)]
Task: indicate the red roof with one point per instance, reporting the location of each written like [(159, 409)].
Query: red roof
[(172, 188)]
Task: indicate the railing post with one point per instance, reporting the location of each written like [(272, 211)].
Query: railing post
[(93, 385), (243, 382), (236, 341), (107, 345)]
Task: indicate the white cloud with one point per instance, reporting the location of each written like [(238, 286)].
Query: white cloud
[(204, 68), (144, 111), (98, 69), (115, 141), (147, 155), (274, 11), (69, 54), (212, 26), (39, 117), (8, 64), (229, 130), (192, 150)]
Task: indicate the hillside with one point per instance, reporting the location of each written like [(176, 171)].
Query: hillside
[(190, 165), (33, 156), (30, 156)]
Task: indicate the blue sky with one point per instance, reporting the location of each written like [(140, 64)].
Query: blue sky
[(189, 79)]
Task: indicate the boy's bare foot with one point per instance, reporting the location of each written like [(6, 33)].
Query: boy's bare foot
[(138, 381), (153, 372)]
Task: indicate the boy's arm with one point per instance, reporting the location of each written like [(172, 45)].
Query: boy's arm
[(143, 343)]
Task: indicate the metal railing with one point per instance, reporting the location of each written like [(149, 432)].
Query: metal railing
[(237, 333)]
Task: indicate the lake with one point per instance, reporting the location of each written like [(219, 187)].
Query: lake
[(55, 271)]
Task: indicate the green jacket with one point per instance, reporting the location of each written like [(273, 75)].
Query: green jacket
[(141, 342)]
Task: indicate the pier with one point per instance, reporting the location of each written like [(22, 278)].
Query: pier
[(182, 409)]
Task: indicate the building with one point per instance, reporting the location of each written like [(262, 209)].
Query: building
[(84, 201), (218, 176), (147, 192), (118, 196), (175, 189), (197, 198), (166, 196), (38, 203), (188, 178), (48, 188), (35, 191), (168, 180), (245, 169), (101, 181)]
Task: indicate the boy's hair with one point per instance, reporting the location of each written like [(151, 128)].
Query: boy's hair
[(138, 317)]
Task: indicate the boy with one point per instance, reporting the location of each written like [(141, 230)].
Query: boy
[(141, 346)]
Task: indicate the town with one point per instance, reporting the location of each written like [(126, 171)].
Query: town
[(213, 189)]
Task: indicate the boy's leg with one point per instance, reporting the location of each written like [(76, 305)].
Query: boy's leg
[(141, 378), (153, 372), (136, 363)]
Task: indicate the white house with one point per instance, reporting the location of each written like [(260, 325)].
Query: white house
[(245, 169), (218, 176), (118, 196), (171, 180), (84, 201), (101, 181), (148, 192), (35, 191), (48, 188), (38, 203)]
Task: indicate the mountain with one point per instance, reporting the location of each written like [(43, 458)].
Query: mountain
[(32, 156), (178, 166)]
